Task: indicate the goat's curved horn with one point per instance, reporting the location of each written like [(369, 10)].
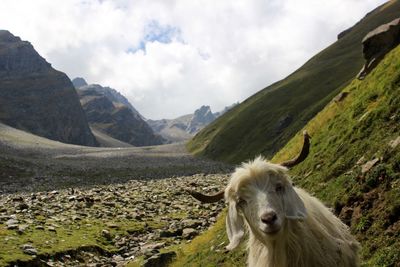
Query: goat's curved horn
[(207, 198), (302, 155)]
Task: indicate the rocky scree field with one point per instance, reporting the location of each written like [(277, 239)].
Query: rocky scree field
[(107, 225)]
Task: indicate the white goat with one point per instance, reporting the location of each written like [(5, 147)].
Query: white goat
[(287, 227)]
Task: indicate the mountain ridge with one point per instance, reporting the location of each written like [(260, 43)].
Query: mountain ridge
[(264, 122), (110, 113), (37, 98)]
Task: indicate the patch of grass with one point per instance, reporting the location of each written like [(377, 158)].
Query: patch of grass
[(85, 233), (208, 249), (257, 126)]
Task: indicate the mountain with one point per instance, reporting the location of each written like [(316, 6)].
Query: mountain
[(267, 120), (110, 113), (111, 94), (185, 127), (353, 166), (36, 98)]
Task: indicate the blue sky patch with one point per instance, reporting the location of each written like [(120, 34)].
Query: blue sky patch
[(155, 32)]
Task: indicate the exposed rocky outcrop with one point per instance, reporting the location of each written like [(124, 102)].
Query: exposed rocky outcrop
[(202, 117), (36, 98), (377, 43), (79, 82), (107, 114), (109, 92)]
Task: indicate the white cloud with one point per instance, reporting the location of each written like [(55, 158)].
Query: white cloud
[(193, 52)]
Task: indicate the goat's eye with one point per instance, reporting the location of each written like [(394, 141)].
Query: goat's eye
[(279, 188), (241, 202)]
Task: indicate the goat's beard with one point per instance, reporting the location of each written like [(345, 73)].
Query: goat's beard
[(263, 233), (270, 230)]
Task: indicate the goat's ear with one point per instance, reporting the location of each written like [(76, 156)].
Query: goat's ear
[(294, 206), (234, 226)]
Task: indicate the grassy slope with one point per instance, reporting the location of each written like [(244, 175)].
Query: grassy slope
[(251, 127), (362, 125)]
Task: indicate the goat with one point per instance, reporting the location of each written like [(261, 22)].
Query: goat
[(287, 226)]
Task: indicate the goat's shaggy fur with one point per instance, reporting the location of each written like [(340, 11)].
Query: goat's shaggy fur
[(308, 234)]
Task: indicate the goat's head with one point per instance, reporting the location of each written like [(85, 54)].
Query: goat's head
[(261, 194)]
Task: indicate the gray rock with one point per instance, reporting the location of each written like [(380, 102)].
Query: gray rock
[(29, 249), (12, 222), (377, 43), (189, 233), (160, 260), (106, 234), (367, 166)]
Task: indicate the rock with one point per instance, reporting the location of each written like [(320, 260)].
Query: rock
[(22, 228), (152, 247), (394, 143), (29, 249), (340, 97), (189, 233), (377, 43), (191, 223), (12, 226), (171, 233), (160, 260), (367, 166), (109, 204), (51, 229), (79, 82), (33, 94), (360, 160), (11, 222), (106, 234), (113, 225), (22, 206)]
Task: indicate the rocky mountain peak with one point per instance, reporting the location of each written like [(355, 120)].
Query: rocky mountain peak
[(19, 57), (201, 117), (79, 82), (8, 37)]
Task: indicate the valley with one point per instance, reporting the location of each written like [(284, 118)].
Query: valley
[(68, 205), (87, 180)]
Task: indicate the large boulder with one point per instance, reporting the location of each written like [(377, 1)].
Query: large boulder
[(36, 98), (377, 43)]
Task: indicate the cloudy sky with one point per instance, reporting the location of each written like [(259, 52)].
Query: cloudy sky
[(170, 57)]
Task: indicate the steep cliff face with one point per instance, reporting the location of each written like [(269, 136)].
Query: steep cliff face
[(201, 118), (112, 117), (109, 92), (37, 98)]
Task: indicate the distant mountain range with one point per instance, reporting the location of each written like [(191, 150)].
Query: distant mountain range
[(185, 127), (36, 98)]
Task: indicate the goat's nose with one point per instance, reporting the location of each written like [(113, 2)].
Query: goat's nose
[(269, 217)]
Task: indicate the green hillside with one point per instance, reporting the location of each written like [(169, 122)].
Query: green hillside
[(266, 121), (345, 136)]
